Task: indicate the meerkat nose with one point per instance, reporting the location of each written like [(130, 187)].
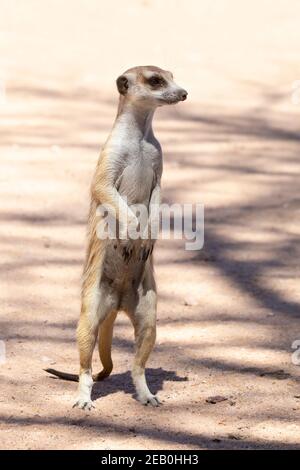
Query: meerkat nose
[(184, 95)]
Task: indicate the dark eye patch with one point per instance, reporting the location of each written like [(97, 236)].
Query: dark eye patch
[(156, 81)]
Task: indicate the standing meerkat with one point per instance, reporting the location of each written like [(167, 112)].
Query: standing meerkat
[(118, 273)]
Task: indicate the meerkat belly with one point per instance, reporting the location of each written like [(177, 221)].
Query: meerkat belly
[(123, 264), (121, 271)]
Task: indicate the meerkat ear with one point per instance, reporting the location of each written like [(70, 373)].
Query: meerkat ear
[(122, 84)]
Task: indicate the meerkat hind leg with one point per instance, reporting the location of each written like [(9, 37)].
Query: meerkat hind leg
[(144, 321), (92, 316), (86, 339)]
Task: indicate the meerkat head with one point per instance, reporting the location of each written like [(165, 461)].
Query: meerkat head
[(150, 86)]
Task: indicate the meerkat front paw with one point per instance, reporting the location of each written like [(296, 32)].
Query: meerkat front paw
[(127, 253), (126, 247)]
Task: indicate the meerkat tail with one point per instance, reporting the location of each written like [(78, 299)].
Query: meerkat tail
[(75, 377), (63, 375), (104, 345)]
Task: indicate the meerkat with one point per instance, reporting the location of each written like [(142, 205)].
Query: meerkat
[(118, 274)]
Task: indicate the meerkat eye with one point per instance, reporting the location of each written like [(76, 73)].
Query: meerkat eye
[(155, 81)]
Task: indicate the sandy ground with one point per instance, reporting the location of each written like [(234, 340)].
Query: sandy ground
[(228, 314)]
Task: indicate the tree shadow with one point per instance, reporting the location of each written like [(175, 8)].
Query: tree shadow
[(168, 436)]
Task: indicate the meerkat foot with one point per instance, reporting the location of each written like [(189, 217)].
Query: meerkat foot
[(84, 401), (83, 404), (149, 400)]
